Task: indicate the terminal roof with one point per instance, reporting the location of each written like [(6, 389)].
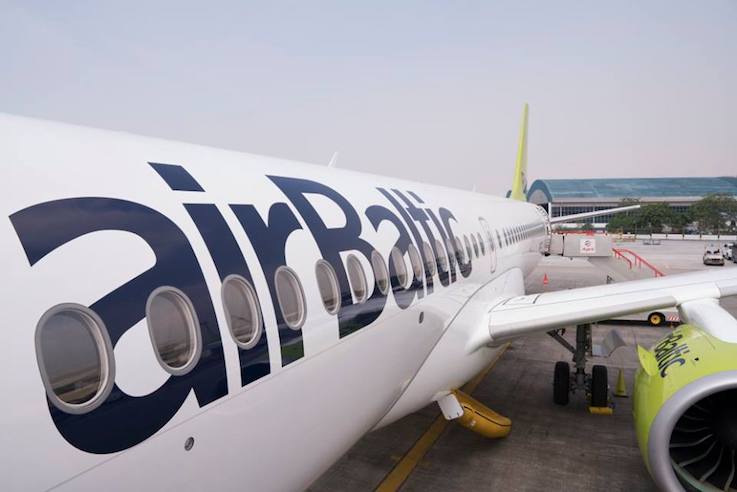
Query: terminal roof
[(613, 189)]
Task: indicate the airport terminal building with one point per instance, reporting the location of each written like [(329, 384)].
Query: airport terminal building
[(572, 196)]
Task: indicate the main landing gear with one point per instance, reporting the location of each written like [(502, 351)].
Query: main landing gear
[(594, 385)]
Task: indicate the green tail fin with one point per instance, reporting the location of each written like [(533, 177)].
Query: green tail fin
[(519, 184)]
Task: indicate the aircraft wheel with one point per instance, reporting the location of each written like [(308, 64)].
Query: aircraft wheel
[(656, 319), (561, 383), (599, 386)]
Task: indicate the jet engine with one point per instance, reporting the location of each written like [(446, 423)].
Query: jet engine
[(685, 409)]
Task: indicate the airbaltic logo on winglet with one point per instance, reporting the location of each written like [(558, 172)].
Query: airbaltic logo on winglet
[(669, 351)]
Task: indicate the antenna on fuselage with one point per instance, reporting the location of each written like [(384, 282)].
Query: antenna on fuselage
[(333, 160)]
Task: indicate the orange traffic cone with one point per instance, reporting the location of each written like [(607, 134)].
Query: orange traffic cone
[(545, 279)]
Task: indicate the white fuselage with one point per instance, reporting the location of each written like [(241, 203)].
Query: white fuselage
[(90, 221)]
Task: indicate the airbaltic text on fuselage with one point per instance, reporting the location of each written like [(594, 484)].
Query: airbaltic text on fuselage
[(122, 420)]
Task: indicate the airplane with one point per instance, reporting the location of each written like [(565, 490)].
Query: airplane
[(181, 317)]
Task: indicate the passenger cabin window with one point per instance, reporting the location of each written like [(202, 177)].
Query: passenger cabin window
[(242, 311), (442, 258), (75, 358), (429, 258), (460, 254), (380, 272), (174, 329), (451, 251), (415, 260), (357, 278), (481, 241), (327, 283), (475, 245), (400, 267), (469, 253), (291, 297)]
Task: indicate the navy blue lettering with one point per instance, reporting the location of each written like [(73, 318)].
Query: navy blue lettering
[(664, 369), (415, 234), (417, 198), (229, 260), (446, 216), (122, 420), (332, 242), (176, 177), (269, 242), (446, 241), (420, 216), (403, 296)]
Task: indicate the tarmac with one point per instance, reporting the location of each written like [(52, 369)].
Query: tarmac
[(550, 447)]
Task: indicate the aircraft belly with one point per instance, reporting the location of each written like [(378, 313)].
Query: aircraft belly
[(450, 364), (304, 419)]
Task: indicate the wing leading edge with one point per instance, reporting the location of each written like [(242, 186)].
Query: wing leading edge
[(596, 213), (523, 315)]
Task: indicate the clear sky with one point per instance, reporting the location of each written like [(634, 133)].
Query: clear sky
[(424, 90)]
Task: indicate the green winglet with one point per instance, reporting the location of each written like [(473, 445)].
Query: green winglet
[(519, 183)]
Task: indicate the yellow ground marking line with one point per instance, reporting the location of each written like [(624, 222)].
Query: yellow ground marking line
[(407, 464)]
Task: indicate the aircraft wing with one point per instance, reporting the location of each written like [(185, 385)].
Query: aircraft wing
[(523, 315)]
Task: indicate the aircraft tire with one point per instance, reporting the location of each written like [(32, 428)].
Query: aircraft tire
[(599, 386), (561, 383), (656, 319)]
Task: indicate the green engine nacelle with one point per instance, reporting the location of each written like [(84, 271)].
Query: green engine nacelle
[(685, 408)]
